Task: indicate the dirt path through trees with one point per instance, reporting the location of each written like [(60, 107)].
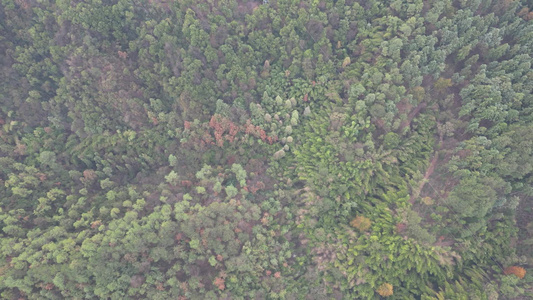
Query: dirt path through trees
[(429, 170)]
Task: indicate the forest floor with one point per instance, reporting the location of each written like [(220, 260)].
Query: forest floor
[(436, 184)]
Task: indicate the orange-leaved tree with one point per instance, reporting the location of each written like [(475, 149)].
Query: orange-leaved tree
[(518, 271)]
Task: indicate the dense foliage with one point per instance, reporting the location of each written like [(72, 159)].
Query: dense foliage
[(279, 149)]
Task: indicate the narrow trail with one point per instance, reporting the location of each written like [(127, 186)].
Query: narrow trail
[(412, 115), (429, 171)]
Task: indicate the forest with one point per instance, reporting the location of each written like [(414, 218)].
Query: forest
[(280, 149)]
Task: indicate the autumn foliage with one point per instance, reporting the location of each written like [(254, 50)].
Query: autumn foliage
[(518, 271), (361, 223), (219, 282), (385, 290), (145, 153), (258, 132), (222, 125), (225, 129)]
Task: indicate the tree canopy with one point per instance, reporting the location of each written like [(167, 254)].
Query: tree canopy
[(278, 149)]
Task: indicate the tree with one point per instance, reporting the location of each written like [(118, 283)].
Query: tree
[(442, 84), (231, 191), (515, 270), (385, 290), (361, 223), (472, 198), (172, 178)]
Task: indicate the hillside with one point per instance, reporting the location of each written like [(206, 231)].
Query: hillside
[(280, 149)]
